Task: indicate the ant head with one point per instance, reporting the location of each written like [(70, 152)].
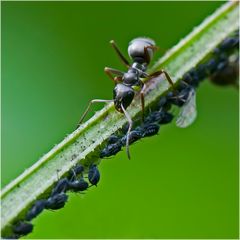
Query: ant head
[(122, 95), (131, 77), (136, 49)]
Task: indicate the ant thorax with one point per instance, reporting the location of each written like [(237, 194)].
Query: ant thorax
[(140, 68), (134, 73)]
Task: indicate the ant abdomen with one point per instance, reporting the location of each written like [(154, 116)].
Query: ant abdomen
[(136, 49)]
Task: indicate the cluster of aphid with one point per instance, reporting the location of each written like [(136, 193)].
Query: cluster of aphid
[(74, 182), (221, 69), (149, 128)]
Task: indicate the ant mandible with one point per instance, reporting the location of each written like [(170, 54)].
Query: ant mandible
[(140, 50)]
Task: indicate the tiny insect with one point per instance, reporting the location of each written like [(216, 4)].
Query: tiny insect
[(151, 129), (133, 136), (22, 228), (166, 118), (113, 139), (61, 186), (36, 209), (78, 185), (230, 42), (57, 201), (93, 175), (164, 104), (227, 72), (111, 149), (76, 170), (192, 76), (154, 117), (140, 51)]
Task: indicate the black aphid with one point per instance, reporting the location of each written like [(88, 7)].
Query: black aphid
[(211, 65), (164, 104), (151, 129), (78, 169), (93, 175), (111, 149), (227, 72), (57, 201), (230, 42), (113, 139), (78, 185), (201, 71), (36, 209), (180, 97), (22, 228), (133, 136), (191, 77), (155, 116), (61, 186), (167, 118)]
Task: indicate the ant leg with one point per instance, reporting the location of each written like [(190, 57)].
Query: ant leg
[(123, 59), (142, 100), (111, 71), (160, 72), (129, 129), (89, 105), (147, 56)]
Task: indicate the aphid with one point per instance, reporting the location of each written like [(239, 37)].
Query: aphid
[(78, 185), (22, 228), (191, 77), (140, 50), (78, 169), (181, 97), (201, 71), (211, 66), (57, 201), (61, 186), (188, 112), (229, 43), (164, 104), (93, 175), (227, 72), (111, 149), (151, 129), (154, 117), (113, 139), (133, 136), (166, 118), (36, 209)]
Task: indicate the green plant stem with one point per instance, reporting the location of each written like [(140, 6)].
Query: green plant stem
[(83, 144)]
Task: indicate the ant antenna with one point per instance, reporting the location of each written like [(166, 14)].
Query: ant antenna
[(129, 129), (120, 55)]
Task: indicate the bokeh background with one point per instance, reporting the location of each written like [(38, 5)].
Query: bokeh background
[(182, 183)]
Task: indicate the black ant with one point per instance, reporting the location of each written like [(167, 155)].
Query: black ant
[(140, 50)]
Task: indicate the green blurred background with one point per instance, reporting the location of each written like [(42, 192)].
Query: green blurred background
[(182, 183)]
